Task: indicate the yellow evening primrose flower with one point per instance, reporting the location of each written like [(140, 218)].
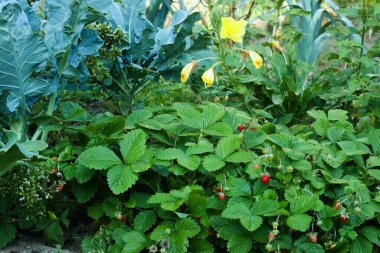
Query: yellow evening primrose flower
[(233, 29), (186, 71), (208, 77), (257, 61)]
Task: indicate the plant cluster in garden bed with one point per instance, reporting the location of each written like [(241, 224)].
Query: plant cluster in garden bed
[(275, 153), (194, 178)]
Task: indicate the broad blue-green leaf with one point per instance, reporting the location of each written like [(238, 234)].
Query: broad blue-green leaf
[(65, 23), (90, 42), (21, 51)]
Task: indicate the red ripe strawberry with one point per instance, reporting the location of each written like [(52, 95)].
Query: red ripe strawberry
[(265, 178), (60, 186), (271, 236), (240, 128), (256, 166), (221, 195), (218, 189), (337, 205), (123, 218), (343, 218), (313, 237)]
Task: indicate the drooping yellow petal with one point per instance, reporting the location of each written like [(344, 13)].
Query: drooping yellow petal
[(186, 71), (276, 45), (208, 77), (233, 29), (257, 61)]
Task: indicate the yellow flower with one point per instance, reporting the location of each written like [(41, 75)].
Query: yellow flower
[(232, 29), (186, 71), (208, 77), (257, 61), (277, 46)]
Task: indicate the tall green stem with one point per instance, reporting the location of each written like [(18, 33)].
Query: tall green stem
[(24, 121), (362, 35)]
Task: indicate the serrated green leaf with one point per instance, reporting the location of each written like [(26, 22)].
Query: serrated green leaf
[(239, 187), (111, 206), (254, 138), (84, 192), (187, 227), (317, 114), (302, 165), (337, 114), (374, 140), (145, 220), (93, 244), (189, 115), (282, 140), (240, 156), (361, 245), (189, 162), (265, 206), (334, 133), (237, 236), (218, 129), (137, 117), (353, 148), (321, 126), (83, 174), (169, 154), (134, 242), (132, 147), (333, 158), (371, 233), (236, 209), (300, 222), (99, 158), (227, 146), (201, 246), (373, 162), (213, 163), (95, 211), (211, 114), (375, 174), (200, 148), (251, 222), (120, 178), (178, 243), (303, 203)]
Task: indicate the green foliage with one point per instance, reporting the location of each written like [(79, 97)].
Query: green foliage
[(171, 172), (279, 157)]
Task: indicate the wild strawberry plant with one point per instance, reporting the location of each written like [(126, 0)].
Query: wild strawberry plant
[(180, 179)]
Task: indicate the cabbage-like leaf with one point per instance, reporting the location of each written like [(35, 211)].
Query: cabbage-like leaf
[(21, 51)]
